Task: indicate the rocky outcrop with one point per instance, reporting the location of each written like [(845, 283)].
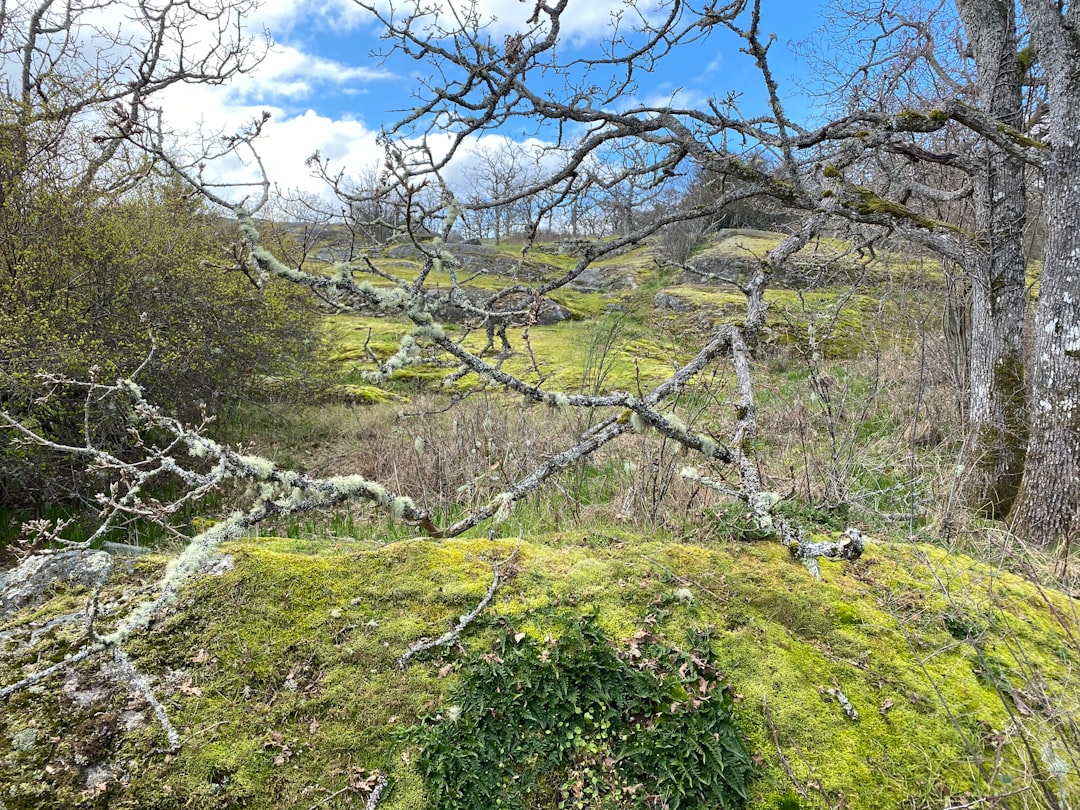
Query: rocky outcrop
[(33, 580)]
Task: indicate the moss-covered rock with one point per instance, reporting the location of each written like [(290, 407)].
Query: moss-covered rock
[(280, 673)]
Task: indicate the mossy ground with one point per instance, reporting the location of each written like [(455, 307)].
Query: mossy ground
[(280, 673), (837, 322), (555, 355)]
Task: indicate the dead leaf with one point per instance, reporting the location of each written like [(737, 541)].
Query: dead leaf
[(186, 688), (518, 637)]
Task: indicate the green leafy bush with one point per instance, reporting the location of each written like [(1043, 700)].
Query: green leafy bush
[(87, 284), (576, 723)]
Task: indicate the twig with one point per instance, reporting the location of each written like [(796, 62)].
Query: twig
[(333, 795), (41, 675), (776, 741), (465, 620), (133, 677), (376, 788)]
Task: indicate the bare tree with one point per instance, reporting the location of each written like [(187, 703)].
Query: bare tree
[(1021, 452), (372, 206), (913, 56), (96, 68), (491, 174), (825, 171), (493, 81), (997, 269)]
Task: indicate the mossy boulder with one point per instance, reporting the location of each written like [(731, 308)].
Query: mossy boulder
[(910, 678)]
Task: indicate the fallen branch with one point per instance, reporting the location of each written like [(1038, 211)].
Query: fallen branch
[(134, 678), (779, 751), (42, 674), (376, 792), (449, 637), (849, 546)]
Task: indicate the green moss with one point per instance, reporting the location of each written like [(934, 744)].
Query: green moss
[(582, 304), (867, 202), (1019, 138), (913, 121), (843, 325), (297, 687)]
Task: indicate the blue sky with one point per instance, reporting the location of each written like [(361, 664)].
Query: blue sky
[(326, 93)]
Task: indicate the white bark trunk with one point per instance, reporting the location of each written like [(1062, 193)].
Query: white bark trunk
[(997, 408), (1047, 509)]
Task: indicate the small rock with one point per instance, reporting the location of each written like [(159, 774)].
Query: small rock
[(83, 694), (664, 300), (28, 582), (97, 778), (132, 720), (216, 566)]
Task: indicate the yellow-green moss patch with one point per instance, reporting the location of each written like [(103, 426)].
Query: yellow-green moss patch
[(281, 674)]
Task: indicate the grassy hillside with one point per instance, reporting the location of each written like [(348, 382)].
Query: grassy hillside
[(660, 653)]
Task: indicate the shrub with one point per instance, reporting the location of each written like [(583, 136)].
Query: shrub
[(85, 284)]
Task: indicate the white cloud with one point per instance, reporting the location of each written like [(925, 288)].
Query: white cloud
[(286, 143), (291, 84), (285, 17), (582, 21), (681, 97), (290, 73), (294, 83)]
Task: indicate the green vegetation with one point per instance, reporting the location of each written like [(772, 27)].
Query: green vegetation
[(91, 289), (570, 722), (281, 675)]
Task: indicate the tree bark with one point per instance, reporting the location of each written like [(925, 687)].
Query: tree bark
[(994, 452), (1047, 508)]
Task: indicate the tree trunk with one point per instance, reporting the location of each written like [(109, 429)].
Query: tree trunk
[(1047, 507), (994, 452)]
